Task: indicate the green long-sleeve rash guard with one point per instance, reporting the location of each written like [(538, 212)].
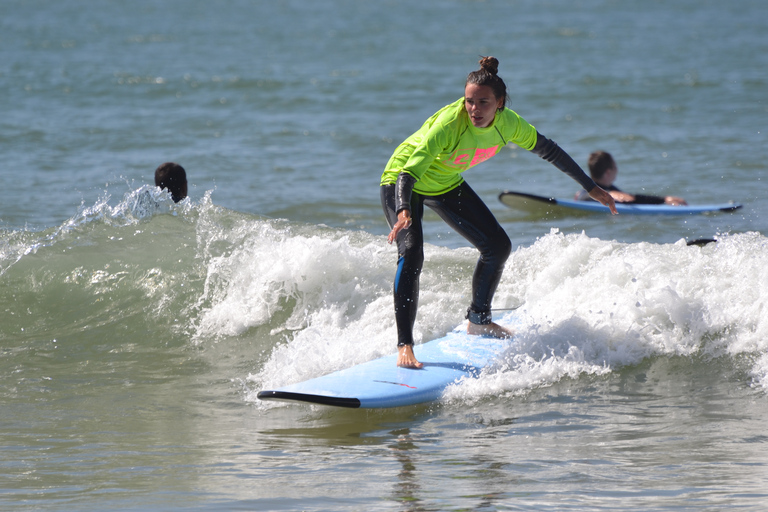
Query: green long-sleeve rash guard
[(447, 144)]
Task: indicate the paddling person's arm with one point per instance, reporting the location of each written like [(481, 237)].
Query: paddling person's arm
[(647, 199), (675, 201), (623, 197)]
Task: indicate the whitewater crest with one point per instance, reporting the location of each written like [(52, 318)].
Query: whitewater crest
[(136, 206), (590, 308)]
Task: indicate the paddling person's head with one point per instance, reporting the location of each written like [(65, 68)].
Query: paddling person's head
[(485, 93), (603, 168), (173, 177)]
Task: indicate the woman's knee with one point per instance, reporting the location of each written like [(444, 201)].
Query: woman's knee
[(505, 247), (499, 249)]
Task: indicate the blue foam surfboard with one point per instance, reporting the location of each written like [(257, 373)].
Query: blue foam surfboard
[(532, 203), (381, 383)]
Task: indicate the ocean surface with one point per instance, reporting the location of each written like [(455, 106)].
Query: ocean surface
[(135, 332)]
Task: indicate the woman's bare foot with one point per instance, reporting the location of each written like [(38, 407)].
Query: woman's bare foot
[(406, 358), (491, 329)]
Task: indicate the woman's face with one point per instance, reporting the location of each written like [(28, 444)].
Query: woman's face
[(481, 104)]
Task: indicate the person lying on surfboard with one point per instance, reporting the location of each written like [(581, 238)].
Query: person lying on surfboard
[(603, 169), (426, 169)]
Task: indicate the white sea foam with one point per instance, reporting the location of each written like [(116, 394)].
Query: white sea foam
[(593, 307), (590, 306)]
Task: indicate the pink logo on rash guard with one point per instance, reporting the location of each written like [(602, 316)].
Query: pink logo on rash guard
[(461, 157), (481, 155)]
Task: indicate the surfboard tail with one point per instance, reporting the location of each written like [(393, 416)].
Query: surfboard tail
[(282, 396)]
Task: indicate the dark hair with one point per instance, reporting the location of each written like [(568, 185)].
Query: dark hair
[(172, 176), (487, 75), (599, 162)]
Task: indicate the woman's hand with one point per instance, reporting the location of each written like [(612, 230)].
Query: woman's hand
[(604, 198), (403, 222)]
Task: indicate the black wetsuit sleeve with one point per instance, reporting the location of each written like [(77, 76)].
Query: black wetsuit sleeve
[(640, 198), (646, 199), (554, 154), (403, 191)]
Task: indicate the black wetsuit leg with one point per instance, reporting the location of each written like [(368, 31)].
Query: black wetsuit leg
[(464, 211), (410, 250)]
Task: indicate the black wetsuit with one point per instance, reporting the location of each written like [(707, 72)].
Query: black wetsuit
[(464, 211)]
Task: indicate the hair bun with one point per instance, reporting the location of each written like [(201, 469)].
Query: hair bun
[(490, 64)]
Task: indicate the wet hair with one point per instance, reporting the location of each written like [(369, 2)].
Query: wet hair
[(488, 75), (172, 176), (599, 162)]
